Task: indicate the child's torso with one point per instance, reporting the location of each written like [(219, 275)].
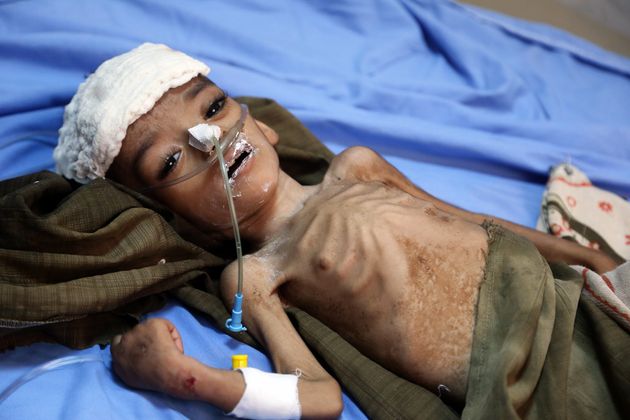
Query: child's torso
[(389, 272)]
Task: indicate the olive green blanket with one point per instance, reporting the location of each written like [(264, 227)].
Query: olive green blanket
[(539, 349), (79, 264)]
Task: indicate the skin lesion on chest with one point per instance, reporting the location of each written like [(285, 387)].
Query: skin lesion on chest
[(378, 265), (354, 235)]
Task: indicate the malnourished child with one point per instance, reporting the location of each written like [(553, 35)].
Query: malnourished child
[(371, 255)]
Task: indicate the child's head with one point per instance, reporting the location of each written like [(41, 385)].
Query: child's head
[(128, 122)]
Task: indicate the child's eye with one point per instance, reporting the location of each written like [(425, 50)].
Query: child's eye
[(169, 163), (215, 107)]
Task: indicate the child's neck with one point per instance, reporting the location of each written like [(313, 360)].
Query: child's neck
[(288, 199)]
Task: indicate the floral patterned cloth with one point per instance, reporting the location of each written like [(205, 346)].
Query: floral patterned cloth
[(574, 209), (609, 291)]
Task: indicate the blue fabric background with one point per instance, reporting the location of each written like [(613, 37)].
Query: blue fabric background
[(471, 105)]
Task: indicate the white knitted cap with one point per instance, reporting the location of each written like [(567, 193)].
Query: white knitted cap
[(119, 92)]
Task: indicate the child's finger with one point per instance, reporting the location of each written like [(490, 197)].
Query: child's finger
[(177, 339)]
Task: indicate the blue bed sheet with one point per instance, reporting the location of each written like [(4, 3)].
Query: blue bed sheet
[(91, 390), (433, 78), (471, 105)]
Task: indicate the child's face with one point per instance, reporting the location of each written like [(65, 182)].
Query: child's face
[(155, 150)]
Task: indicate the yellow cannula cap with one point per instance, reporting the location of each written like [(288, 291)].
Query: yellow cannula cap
[(239, 361)]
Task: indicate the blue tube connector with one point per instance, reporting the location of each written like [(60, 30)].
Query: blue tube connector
[(234, 324)]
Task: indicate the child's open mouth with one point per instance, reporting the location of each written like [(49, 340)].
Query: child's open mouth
[(243, 151)]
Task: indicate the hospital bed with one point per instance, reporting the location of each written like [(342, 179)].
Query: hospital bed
[(471, 105)]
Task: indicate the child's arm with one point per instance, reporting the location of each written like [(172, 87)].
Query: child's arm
[(151, 355), (366, 165), (265, 319)]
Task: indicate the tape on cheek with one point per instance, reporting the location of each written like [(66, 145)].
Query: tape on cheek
[(200, 136)]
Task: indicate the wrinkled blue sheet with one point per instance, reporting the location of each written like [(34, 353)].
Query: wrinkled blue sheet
[(92, 391), (471, 105)]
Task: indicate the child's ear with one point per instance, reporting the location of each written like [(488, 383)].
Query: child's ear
[(269, 132)]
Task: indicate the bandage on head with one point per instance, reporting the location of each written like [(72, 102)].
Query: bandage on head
[(204, 144)]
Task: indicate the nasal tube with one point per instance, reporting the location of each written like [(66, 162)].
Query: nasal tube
[(200, 136)]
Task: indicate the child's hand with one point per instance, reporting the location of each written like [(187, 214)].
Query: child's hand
[(151, 356), (601, 263)]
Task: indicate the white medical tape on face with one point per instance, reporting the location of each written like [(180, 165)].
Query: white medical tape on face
[(268, 396), (200, 136)]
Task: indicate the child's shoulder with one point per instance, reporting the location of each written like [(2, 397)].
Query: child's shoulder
[(355, 164)]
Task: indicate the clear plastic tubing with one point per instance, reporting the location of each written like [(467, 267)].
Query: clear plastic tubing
[(46, 367), (234, 323)]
